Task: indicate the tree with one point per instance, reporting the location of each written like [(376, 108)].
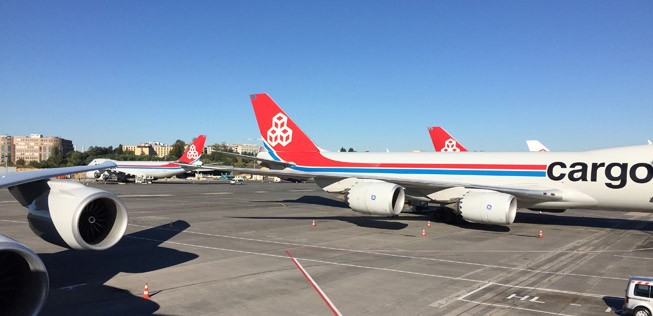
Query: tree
[(177, 150), (351, 150), (56, 158), (342, 149), (20, 162), (77, 158)]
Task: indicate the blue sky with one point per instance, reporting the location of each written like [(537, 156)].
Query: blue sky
[(364, 74)]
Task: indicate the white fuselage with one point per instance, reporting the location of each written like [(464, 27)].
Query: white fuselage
[(145, 169), (615, 178)]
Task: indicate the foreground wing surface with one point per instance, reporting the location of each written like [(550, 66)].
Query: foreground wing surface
[(18, 178)]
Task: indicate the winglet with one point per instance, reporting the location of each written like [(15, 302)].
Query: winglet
[(194, 152)]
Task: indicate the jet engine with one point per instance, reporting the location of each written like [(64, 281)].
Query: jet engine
[(23, 279), (376, 198), (70, 214), (488, 207)]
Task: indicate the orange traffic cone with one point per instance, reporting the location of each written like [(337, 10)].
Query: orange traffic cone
[(540, 234), (314, 223), (423, 232), (428, 224), (146, 292)]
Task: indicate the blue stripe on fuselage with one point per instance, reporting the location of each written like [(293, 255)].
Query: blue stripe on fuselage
[(151, 168), (457, 172)]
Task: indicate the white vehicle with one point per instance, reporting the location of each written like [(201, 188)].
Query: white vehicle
[(61, 212), (480, 187), (237, 181), (146, 171), (639, 296)]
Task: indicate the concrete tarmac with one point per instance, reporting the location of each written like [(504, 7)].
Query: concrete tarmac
[(209, 248)]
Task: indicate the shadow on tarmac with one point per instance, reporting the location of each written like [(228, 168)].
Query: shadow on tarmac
[(615, 303), (77, 277), (528, 217), (582, 221)]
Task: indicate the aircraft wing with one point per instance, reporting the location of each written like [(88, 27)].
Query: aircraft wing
[(18, 178), (269, 161), (529, 193)]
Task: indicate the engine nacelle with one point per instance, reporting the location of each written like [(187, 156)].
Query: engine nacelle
[(24, 280), (68, 213), (488, 207), (376, 198)]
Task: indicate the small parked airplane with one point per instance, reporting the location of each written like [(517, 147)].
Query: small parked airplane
[(146, 171)]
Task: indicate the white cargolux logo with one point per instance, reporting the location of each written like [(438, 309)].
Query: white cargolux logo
[(192, 153), (279, 133), (450, 146)]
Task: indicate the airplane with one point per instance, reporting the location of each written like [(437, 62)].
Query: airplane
[(146, 171), (535, 145), (479, 187), (444, 142), (61, 212)]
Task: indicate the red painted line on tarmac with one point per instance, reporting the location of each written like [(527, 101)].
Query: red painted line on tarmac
[(317, 288)]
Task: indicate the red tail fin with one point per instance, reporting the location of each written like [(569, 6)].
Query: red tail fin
[(194, 152), (444, 142), (280, 133)]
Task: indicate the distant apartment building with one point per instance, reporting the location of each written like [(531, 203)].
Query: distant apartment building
[(250, 149), (149, 149), (247, 149), (7, 152), (36, 147)]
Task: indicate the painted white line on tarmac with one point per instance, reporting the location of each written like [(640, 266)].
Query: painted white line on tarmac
[(633, 257), (217, 193), (144, 195), (317, 288), (10, 221), (474, 291), (514, 307)]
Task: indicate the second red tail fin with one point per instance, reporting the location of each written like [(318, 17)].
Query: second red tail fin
[(193, 153), (444, 142)]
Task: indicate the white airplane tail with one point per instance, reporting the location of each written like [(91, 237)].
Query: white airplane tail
[(535, 145)]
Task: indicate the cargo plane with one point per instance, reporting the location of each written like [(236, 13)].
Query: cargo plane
[(479, 187), (146, 171)]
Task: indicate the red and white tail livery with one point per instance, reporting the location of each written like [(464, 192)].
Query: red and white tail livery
[(443, 141), (193, 153)]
